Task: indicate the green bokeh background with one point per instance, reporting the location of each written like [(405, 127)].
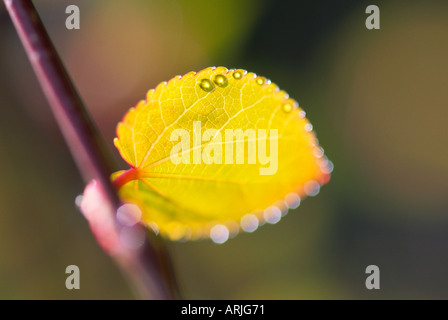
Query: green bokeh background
[(377, 100)]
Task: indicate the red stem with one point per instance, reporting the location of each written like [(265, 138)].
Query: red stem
[(149, 267), (126, 176)]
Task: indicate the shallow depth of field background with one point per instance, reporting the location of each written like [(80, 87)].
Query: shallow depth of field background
[(378, 101)]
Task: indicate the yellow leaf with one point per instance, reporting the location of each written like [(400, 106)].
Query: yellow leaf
[(217, 151)]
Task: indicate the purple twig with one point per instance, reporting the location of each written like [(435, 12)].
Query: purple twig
[(148, 266)]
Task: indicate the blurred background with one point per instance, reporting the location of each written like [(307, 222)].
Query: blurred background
[(377, 100)]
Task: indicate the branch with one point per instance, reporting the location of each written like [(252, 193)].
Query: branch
[(147, 264)]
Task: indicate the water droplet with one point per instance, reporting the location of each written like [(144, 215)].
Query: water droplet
[(176, 231), (282, 207), (327, 166), (78, 200), (318, 152), (233, 228), (129, 214), (292, 200), (220, 80), (206, 85), (308, 127), (272, 215), (312, 188), (249, 223), (302, 114), (260, 80), (219, 233), (238, 74), (287, 107)]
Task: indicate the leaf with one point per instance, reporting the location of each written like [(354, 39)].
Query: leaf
[(189, 184)]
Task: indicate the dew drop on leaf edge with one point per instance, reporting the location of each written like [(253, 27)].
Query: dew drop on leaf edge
[(260, 80), (220, 80), (238, 74), (206, 85)]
